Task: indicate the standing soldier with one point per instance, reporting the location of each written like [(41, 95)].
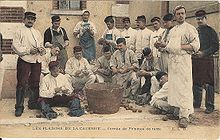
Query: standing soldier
[(56, 36), (156, 35), (142, 38), (110, 35), (28, 45), (183, 41), (161, 43), (203, 63), (129, 34), (85, 30)]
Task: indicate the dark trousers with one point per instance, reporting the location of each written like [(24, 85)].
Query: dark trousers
[(209, 96), (140, 61), (57, 100), (147, 85), (28, 77), (203, 77), (28, 74)]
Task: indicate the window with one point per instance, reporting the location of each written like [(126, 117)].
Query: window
[(69, 5)]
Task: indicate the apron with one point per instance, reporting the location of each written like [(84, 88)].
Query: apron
[(58, 41), (88, 45)]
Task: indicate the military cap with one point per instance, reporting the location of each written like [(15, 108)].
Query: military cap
[(30, 14), (168, 17), (55, 18), (126, 19), (121, 40), (141, 18), (155, 19), (77, 49), (200, 13)]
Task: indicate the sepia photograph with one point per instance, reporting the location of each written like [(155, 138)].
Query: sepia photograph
[(109, 69)]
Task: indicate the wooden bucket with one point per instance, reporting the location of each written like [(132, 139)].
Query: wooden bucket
[(104, 98)]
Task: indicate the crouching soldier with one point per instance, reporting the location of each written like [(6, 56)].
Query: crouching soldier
[(124, 63), (102, 68), (79, 70), (56, 90), (147, 73), (159, 99)]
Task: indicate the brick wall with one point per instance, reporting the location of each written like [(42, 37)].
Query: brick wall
[(11, 14), (6, 47)]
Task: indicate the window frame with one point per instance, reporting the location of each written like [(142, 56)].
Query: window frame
[(69, 12)]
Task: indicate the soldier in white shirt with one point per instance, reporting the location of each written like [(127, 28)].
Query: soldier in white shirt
[(129, 34), (142, 38), (110, 35), (57, 90), (28, 45), (79, 69), (157, 33)]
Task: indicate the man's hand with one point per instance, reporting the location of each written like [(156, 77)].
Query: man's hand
[(159, 44), (57, 90), (34, 51), (42, 51), (86, 72), (77, 72), (114, 70), (65, 91), (199, 54), (48, 45), (143, 73)]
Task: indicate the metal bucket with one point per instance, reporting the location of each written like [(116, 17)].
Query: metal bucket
[(104, 98)]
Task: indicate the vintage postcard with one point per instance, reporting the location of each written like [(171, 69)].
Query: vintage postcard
[(64, 50)]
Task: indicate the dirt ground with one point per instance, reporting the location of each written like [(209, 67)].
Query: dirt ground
[(123, 124)]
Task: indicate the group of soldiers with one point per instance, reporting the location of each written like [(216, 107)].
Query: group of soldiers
[(139, 60)]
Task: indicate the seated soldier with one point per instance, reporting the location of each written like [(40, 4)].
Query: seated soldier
[(102, 67), (124, 63), (56, 90), (79, 70), (148, 69)]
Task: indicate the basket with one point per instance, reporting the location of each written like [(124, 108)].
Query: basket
[(104, 98)]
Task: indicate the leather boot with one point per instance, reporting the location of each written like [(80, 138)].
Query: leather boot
[(47, 111), (19, 106), (33, 97)]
